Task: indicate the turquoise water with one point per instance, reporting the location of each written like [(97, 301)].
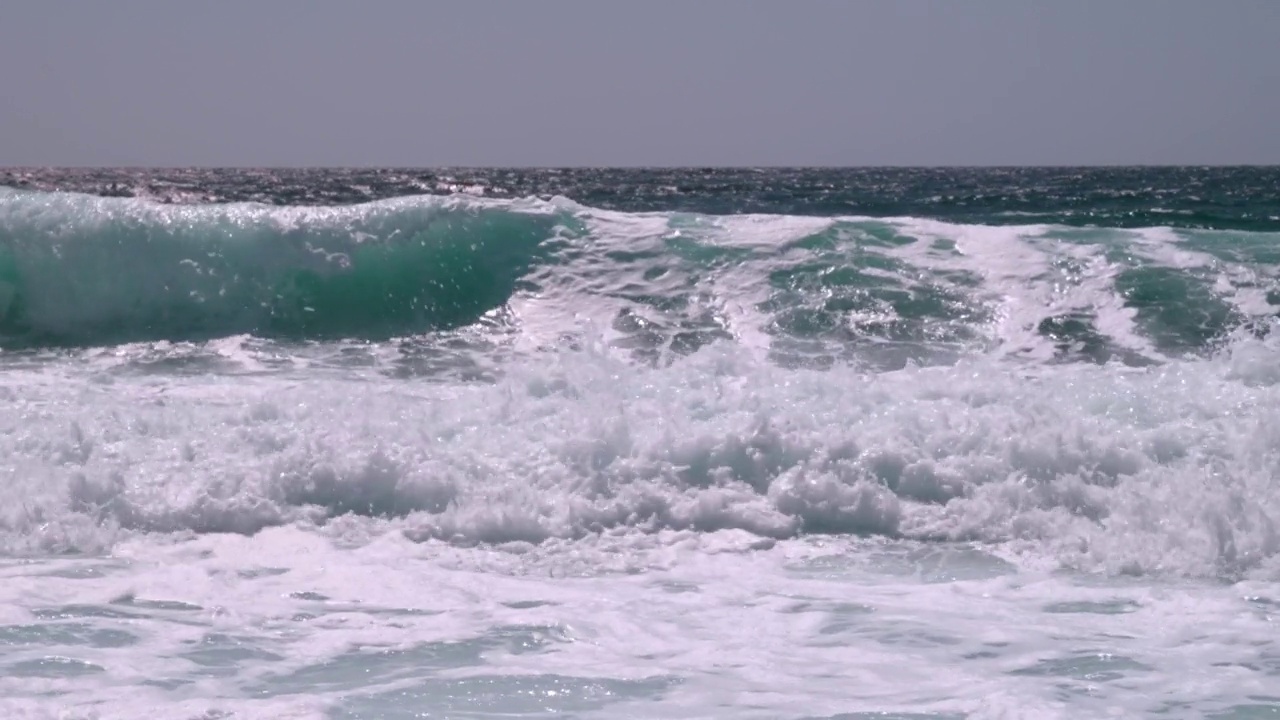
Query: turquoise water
[(750, 444)]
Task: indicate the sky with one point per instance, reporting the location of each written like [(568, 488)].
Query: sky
[(639, 82)]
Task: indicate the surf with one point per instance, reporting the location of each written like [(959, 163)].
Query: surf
[(80, 271)]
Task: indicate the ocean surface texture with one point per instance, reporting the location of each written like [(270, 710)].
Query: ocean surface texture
[(793, 444)]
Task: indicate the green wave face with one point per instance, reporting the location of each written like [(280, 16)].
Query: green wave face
[(81, 270)]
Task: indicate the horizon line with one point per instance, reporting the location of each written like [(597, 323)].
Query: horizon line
[(487, 166)]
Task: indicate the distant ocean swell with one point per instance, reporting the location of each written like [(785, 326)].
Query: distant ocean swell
[(79, 270)]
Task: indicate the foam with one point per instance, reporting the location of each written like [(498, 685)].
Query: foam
[(670, 624), (1099, 469)]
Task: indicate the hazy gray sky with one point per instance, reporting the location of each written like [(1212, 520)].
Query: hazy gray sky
[(639, 82)]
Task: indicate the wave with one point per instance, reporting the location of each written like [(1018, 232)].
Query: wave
[(84, 270), (768, 376), (79, 270)]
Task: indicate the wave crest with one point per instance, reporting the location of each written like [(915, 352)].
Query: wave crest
[(83, 270)]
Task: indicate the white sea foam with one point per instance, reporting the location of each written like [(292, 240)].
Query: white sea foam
[(1098, 468), (289, 623)]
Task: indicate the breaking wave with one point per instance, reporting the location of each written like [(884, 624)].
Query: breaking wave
[(81, 270)]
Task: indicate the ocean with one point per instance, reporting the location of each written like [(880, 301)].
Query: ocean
[(810, 444)]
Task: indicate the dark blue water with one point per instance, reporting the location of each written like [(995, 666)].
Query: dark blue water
[(1239, 198)]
